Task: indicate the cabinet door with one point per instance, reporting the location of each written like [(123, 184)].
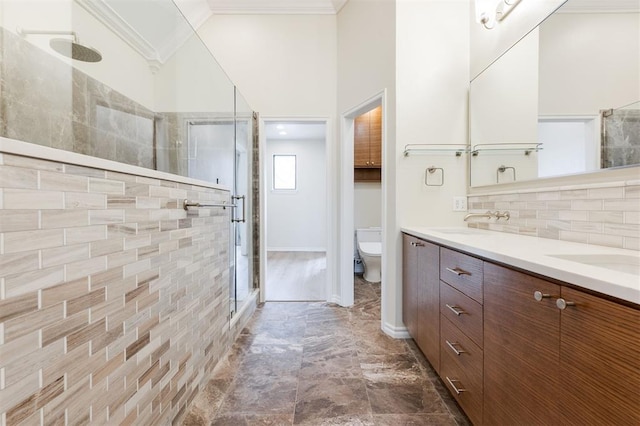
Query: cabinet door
[(600, 361), (375, 137), (429, 302), (521, 349), (361, 141), (410, 284)]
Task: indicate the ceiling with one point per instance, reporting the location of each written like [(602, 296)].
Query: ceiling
[(298, 130)]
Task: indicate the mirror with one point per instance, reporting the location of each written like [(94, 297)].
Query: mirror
[(563, 100)]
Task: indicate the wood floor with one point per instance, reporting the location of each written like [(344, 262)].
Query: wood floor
[(296, 276)]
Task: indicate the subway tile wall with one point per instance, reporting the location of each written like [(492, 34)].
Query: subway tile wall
[(113, 299), (601, 214)]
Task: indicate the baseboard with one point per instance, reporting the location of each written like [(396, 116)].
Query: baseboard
[(396, 332), (322, 249)]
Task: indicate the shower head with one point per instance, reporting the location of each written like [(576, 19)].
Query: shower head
[(74, 50), (71, 48)]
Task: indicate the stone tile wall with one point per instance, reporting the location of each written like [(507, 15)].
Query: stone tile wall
[(113, 299), (600, 214), (47, 102)]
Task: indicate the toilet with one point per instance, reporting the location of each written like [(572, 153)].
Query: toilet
[(370, 249)]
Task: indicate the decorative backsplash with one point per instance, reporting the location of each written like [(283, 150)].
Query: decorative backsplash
[(599, 214), (114, 301)]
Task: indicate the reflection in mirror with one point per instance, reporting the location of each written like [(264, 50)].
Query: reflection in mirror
[(571, 85)]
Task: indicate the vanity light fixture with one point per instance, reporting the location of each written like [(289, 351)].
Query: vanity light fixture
[(505, 7), (488, 12)]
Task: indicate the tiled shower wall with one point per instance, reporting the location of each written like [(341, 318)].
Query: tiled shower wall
[(113, 299), (47, 102), (600, 214)]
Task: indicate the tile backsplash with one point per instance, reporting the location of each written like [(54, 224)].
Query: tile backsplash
[(113, 299), (600, 214)]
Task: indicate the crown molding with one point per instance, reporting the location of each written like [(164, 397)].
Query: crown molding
[(112, 20), (155, 56), (275, 7)]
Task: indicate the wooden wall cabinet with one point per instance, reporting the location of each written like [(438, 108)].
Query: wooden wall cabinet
[(368, 139), (421, 296), (367, 156)]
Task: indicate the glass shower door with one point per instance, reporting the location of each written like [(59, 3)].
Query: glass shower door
[(242, 230)]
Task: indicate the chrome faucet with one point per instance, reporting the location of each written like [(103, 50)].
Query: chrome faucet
[(489, 215)]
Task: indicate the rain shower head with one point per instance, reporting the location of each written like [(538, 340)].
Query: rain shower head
[(74, 50), (71, 48)]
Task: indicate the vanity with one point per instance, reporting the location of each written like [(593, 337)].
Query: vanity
[(526, 330)]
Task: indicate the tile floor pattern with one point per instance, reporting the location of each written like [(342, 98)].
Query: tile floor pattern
[(302, 363)]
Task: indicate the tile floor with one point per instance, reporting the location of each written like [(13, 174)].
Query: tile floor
[(304, 363)]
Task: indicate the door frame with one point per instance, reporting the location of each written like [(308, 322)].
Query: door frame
[(330, 207), (346, 244)]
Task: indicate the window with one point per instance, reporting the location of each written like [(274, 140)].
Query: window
[(284, 172)]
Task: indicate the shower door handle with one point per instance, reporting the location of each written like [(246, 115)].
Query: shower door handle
[(244, 202)]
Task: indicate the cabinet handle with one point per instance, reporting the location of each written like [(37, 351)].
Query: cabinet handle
[(419, 244), (455, 309), (454, 349), (457, 390), (458, 271), (538, 295), (562, 304)]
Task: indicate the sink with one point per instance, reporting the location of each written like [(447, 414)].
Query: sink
[(616, 262), (460, 231)]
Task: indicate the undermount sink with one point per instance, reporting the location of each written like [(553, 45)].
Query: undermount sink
[(616, 262), (461, 231)]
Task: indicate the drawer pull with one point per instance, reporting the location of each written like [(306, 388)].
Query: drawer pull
[(538, 295), (458, 271), (419, 244), (455, 309), (457, 390), (562, 304), (454, 349)]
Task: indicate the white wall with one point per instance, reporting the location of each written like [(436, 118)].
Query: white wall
[(589, 62), (284, 65), (296, 220), (432, 87), (366, 67), (367, 204), (192, 81)]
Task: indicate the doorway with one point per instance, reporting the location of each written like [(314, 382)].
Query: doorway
[(296, 210)]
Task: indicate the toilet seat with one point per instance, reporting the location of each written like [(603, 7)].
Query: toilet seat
[(370, 248)]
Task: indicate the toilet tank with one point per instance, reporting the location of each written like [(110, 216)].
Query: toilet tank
[(369, 235)]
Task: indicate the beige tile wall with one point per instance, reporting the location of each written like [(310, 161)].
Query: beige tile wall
[(113, 299), (600, 214)]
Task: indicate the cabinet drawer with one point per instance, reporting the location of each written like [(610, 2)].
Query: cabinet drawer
[(462, 272), (464, 312), (463, 350), (462, 374)]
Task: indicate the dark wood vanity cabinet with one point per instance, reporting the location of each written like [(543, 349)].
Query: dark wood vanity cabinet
[(522, 354), (421, 296), (518, 349), (599, 361)]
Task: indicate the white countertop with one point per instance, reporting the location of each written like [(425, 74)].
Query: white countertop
[(534, 254)]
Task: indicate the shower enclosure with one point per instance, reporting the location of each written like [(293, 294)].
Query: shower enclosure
[(221, 151), (94, 78)]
